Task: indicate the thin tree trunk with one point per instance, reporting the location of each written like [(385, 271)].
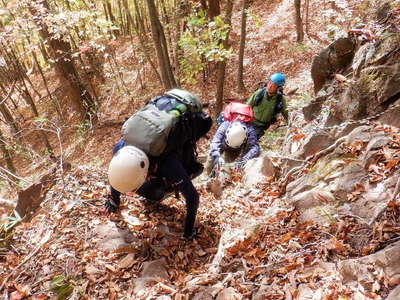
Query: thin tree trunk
[(60, 51), (28, 99), (298, 21), (160, 44), (204, 5), (140, 30), (129, 19), (240, 82), (8, 117), (214, 8), (53, 100), (6, 154), (111, 17), (222, 64), (121, 19)]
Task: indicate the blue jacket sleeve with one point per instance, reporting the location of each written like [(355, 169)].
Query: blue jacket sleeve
[(252, 144), (218, 139)]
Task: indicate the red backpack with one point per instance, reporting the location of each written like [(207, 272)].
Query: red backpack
[(236, 111)]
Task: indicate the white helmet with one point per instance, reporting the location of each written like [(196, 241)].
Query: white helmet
[(128, 169), (235, 135)]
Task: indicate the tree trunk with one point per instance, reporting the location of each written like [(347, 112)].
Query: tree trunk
[(160, 44), (53, 100), (204, 5), (6, 154), (9, 118), (298, 21), (214, 8), (111, 17), (240, 82), (60, 51), (140, 30), (129, 19), (222, 64)]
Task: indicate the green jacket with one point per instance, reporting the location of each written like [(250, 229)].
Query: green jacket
[(264, 112)]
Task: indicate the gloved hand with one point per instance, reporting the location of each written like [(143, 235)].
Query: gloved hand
[(218, 162), (190, 235), (111, 204), (240, 164)]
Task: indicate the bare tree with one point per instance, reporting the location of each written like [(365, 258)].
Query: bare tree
[(222, 64), (214, 8), (6, 154), (298, 21), (60, 51), (160, 44), (240, 82)]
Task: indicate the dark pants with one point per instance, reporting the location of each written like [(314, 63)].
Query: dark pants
[(260, 130), (170, 175)]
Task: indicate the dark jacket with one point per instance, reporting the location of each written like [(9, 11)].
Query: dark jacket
[(176, 166)]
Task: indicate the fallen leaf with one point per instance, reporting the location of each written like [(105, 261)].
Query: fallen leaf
[(391, 164), (298, 137), (127, 261), (340, 78), (17, 295)]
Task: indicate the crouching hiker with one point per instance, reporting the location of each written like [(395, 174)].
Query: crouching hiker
[(235, 139), (267, 103), (157, 153)]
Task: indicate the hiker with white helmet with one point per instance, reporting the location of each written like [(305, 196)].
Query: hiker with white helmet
[(157, 153), (268, 102), (235, 137)]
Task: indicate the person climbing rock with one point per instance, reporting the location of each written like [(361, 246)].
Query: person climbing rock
[(235, 138), (157, 153), (267, 102)]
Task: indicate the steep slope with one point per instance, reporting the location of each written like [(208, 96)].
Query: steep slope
[(301, 231)]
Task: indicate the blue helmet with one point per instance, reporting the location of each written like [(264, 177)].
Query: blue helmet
[(278, 79)]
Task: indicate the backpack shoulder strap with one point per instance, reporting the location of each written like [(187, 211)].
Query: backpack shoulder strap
[(279, 102), (260, 95)]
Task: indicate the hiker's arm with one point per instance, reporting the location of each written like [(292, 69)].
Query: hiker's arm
[(218, 139), (251, 100), (252, 145), (285, 111)]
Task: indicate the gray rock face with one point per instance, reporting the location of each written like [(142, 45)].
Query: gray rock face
[(359, 269), (336, 56), (391, 116), (312, 110), (395, 294), (257, 169), (375, 83), (313, 144)]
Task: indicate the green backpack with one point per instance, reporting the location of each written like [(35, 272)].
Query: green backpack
[(149, 128)]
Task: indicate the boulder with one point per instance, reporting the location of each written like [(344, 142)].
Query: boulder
[(376, 81), (229, 294), (306, 293), (312, 110), (391, 116), (394, 294), (313, 144), (337, 56), (30, 198), (204, 294), (312, 198), (257, 169), (109, 237), (361, 269), (153, 272), (321, 214)]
